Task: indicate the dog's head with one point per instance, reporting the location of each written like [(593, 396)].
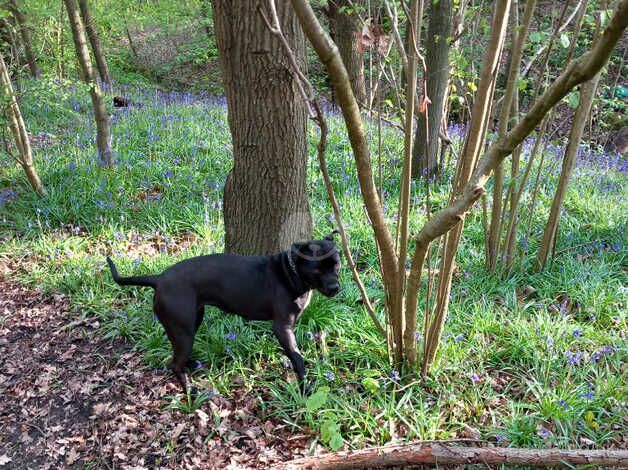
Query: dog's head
[(318, 263)]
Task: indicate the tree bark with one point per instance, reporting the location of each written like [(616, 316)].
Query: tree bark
[(425, 154), (587, 94), (103, 133), (18, 129), (26, 38), (519, 35), (92, 34), (398, 319), (441, 454), (344, 28), (265, 199), (481, 113)]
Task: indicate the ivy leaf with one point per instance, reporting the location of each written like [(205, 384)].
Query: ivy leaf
[(328, 429), (370, 384), (336, 442), (564, 41), (536, 37), (573, 99), (318, 399)]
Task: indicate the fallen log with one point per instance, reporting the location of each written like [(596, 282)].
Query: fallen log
[(434, 453)]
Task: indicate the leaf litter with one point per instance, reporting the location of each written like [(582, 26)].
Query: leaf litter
[(74, 399)]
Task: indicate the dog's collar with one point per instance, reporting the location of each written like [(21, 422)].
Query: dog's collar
[(293, 266)]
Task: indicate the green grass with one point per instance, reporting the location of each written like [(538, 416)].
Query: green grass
[(540, 371)]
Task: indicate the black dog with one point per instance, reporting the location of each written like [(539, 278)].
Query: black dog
[(276, 287)]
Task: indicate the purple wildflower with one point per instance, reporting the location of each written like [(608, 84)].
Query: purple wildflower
[(563, 404), (394, 376), (563, 308), (573, 358), (329, 376), (231, 336)]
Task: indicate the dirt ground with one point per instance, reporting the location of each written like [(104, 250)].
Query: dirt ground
[(70, 398)]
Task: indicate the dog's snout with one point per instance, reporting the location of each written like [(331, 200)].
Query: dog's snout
[(333, 288)]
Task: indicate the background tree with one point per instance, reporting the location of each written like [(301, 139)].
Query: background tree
[(103, 133), (14, 7), (425, 154), (14, 121), (265, 200), (92, 34), (344, 29)]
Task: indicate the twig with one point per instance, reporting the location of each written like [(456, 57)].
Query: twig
[(542, 48), (34, 426)]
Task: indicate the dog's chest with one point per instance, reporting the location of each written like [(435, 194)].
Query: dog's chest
[(303, 301)]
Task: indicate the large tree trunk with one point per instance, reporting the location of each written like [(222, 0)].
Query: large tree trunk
[(103, 135), (92, 34), (344, 28), (26, 38), (18, 129), (442, 454), (265, 200), (425, 155)]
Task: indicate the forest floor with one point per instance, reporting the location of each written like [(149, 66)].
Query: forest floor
[(75, 399)]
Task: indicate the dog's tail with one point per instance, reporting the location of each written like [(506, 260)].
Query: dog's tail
[(148, 281)]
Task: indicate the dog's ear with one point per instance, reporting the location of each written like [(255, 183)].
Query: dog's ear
[(330, 237)]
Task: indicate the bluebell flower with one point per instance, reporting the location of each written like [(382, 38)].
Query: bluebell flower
[(231, 336), (563, 404), (573, 359)]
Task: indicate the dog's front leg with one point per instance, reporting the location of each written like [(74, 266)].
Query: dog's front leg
[(285, 335)]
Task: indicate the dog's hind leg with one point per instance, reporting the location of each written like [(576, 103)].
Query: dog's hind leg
[(200, 313), (179, 320)]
